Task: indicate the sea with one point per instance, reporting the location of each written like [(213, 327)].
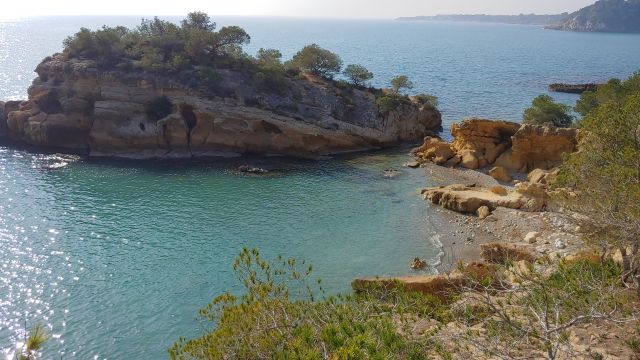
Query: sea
[(116, 257)]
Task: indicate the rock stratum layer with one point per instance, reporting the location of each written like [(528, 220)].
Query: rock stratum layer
[(72, 105)]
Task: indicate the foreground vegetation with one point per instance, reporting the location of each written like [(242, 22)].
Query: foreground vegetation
[(278, 316)]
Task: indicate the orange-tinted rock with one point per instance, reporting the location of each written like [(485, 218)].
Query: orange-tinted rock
[(481, 141), (442, 286)]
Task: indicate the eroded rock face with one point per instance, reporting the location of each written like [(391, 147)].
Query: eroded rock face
[(479, 142), (73, 105), (506, 146)]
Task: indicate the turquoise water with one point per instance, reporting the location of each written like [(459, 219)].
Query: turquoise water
[(116, 257)]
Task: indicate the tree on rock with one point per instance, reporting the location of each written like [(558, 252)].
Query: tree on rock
[(545, 111), (358, 74), (316, 60), (401, 82)]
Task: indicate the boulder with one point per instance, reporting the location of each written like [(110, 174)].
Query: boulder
[(483, 212), (434, 149), (544, 177), (501, 174), (532, 237)]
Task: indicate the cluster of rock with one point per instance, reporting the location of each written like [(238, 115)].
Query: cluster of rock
[(76, 106), (480, 143), (503, 149)]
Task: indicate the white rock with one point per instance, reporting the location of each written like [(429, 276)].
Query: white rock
[(559, 244), (532, 237)]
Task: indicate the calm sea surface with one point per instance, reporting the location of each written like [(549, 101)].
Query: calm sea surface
[(117, 257)]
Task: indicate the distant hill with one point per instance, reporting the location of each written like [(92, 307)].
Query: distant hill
[(522, 19), (604, 16)]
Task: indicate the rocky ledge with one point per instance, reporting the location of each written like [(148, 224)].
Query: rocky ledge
[(75, 106)]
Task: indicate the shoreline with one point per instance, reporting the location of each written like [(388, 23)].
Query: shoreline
[(505, 226)]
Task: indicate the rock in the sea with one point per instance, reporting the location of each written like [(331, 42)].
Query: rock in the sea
[(501, 174), (483, 212), (75, 104), (412, 164), (418, 264)]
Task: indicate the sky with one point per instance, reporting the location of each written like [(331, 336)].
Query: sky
[(360, 9)]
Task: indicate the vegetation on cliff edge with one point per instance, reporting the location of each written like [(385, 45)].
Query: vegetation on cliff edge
[(195, 52)]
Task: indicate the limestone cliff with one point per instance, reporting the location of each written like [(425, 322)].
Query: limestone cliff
[(74, 105)]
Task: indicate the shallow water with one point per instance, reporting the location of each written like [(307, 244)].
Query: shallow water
[(116, 257)]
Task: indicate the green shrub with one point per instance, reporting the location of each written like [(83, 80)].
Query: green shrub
[(401, 82), (316, 60), (545, 111), (614, 90), (279, 317), (388, 102), (358, 74), (427, 100)]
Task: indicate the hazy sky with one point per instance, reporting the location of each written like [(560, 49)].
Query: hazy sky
[(306, 8)]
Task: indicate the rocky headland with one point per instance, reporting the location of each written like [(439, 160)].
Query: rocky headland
[(75, 105), (603, 16)]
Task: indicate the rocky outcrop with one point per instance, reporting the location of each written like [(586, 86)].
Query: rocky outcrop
[(468, 199), (441, 286), (538, 147), (506, 146), (74, 105)]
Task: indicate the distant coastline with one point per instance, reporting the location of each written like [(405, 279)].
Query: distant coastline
[(522, 19)]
